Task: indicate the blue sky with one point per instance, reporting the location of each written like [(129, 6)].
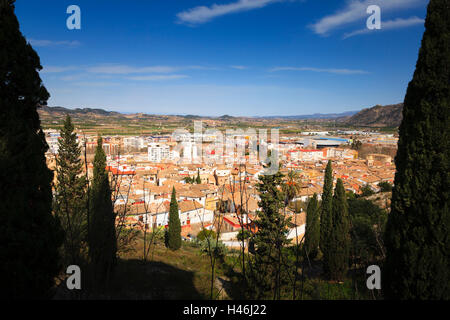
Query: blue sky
[(236, 57)]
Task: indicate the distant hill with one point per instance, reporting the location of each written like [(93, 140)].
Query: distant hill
[(377, 116), (226, 117), (58, 111), (84, 111), (315, 116)]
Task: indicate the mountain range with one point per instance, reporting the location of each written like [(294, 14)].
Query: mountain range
[(377, 116)]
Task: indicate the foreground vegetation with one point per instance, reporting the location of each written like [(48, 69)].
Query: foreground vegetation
[(185, 274)]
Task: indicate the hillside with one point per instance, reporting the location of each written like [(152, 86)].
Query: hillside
[(99, 121), (57, 112), (85, 111), (333, 116), (94, 121), (172, 275), (377, 116), (186, 274), (381, 199)]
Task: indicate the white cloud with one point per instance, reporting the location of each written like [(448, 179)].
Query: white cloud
[(123, 69), (72, 77), (239, 67), (112, 71), (96, 84), (388, 25), (51, 43), (198, 68), (158, 77), (356, 10), (202, 14), (331, 70), (57, 69)]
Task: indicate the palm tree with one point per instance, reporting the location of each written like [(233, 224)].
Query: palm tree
[(292, 186)]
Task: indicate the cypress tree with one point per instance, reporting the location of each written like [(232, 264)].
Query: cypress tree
[(339, 247), (417, 239), (30, 236), (198, 180), (312, 232), (269, 240), (70, 198), (102, 236), (174, 233), (326, 219)]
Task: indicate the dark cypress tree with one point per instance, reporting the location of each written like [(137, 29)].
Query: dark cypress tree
[(198, 180), (417, 237), (70, 198), (339, 247), (312, 232), (326, 216), (267, 266), (30, 236), (102, 236), (174, 232)]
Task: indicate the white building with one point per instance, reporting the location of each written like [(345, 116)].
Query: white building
[(306, 155), (158, 152), (190, 212), (134, 142), (340, 153)]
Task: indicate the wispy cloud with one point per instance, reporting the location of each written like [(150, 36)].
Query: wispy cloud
[(96, 84), (388, 25), (158, 77), (52, 43), (202, 14), (330, 70), (72, 77), (123, 69), (124, 72), (239, 67), (197, 68), (356, 10), (57, 69)]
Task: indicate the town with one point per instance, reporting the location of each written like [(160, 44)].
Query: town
[(148, 167)]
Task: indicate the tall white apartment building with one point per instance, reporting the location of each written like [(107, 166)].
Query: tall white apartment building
[(157, 152), (52, 137)]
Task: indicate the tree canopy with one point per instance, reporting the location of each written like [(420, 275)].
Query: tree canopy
[(417, 236), (30, 235)]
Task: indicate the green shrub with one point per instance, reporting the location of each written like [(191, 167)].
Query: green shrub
[(205, 233), (217, 248)]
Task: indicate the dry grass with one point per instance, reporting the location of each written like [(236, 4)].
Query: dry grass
[(181, 274)]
